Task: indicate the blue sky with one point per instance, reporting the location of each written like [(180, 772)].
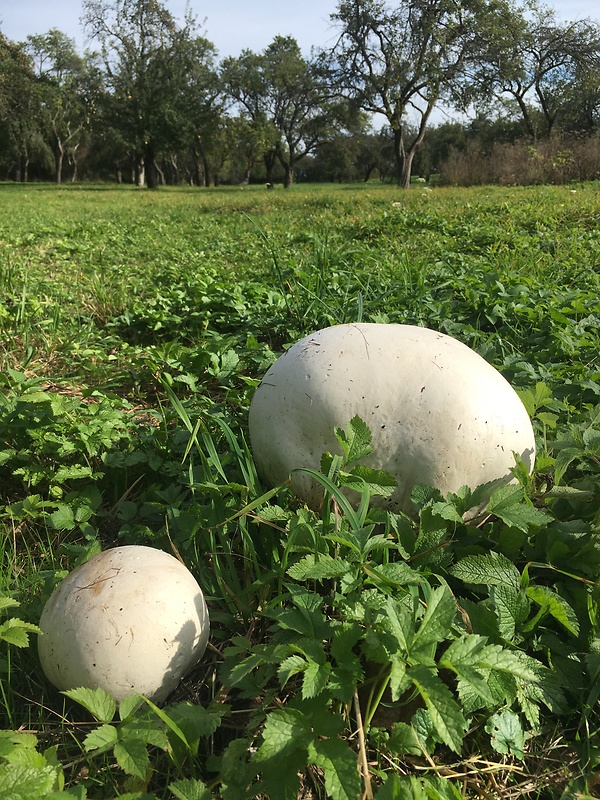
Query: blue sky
[(230, 24)]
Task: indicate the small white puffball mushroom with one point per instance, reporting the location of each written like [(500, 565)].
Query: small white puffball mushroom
[(131, 619), (439, 413)]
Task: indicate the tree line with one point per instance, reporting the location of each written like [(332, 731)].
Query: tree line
[(151, 103)]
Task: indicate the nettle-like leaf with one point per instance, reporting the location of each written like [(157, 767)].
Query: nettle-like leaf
[(16, 632), (437, 620), (512, 608), (493, 569), (97, 701), (356, 443), (321, 567), (190, 789), (507, 736), (446, 715), (555, 605), (339, 765), (508, 503)]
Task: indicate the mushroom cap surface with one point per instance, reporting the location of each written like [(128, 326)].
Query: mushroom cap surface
[(130, 620), (439, 413)]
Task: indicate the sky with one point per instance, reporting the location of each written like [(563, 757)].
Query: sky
[(231, 25)]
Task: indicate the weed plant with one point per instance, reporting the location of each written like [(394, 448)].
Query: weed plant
[(353, 652)]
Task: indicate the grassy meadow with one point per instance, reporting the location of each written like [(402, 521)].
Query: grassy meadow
[(134, 328)]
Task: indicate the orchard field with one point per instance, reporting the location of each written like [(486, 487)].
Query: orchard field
[(354, 653)]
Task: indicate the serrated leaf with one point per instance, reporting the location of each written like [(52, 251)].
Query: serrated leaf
[(339, 765), (555, 605), (315, 679), (513, 662), (512, 608), (16, 632), (493, 569), (132, 756), (397, 573), (443, 709), (508, 504), (101, 738), (190, 789), (403, 740), (379, 482), (129, 704), (97, 701), (63, 519), (507, 735), (8, 602), (356, 443), (399, 683), (318, 568), (284, 731), (437, 620), (19, 782), (564, 458), (289, 667)]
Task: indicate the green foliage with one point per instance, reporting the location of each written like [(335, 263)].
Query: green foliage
[(469, 628)]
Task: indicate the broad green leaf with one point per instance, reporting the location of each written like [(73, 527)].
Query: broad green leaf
[(403, 740), (493, 569), (564, 458), (132, 756), (26, 756), (555, 605), (379, 482), (398, 622), (15, 632), (19, 782), (437, 620), (8, 602), (97, 701), (284, 731), (63, 519), (318, 568), (197, 721), (513, 662), (444, 711), (397, 573), (129, 704), (512, 608), (509, 505), (101, 738), (315, 679), (190, 789), (356, 443), (507, 735), (339, 765), (289, 667), (398, 680)]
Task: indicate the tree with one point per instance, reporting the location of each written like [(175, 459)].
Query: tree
[(19, 109), (67, 84), (287, 98), (147, 60), (393, 60), (533, 61)]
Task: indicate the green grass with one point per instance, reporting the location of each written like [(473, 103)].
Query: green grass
[(134, 328)]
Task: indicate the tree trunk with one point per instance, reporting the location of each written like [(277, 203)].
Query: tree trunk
[(269, 158), (288, 179), (399, 155), (59, 155), (140, 172), (150, 168)]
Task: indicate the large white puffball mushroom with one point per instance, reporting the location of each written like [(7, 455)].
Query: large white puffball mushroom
[(131, 619), (439, 413)]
